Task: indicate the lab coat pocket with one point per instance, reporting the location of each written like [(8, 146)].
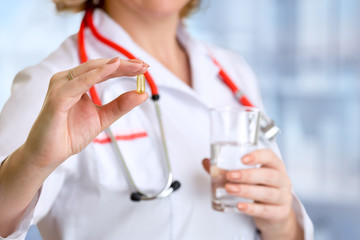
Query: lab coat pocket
[(141, 151)]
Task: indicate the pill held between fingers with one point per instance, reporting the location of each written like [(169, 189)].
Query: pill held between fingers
[(140, 83)]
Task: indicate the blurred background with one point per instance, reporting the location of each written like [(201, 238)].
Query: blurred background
[(306, 55)]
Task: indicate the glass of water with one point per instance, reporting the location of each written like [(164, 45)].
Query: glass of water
[(233, 133)]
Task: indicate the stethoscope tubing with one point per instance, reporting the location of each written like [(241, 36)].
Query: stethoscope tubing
[(271, 130), (137, 195)]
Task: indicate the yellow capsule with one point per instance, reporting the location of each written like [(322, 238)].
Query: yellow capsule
[(140, 83)]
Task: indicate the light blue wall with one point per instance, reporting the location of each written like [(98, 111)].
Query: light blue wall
[(29, 31)]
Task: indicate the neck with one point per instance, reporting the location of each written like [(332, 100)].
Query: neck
[(155, 34)]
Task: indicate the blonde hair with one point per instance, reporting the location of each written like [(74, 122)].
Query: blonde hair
[(76, 5), (80, 5)]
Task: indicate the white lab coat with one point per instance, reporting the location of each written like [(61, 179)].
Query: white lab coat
[(87, 197)]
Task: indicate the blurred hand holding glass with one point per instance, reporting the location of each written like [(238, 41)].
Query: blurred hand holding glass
[(233, 133)]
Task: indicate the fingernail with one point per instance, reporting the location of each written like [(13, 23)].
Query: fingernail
[(231, 188), (136, 61), (145, 94), (246, 159), (233, 175), (242, 207), (113, 60)]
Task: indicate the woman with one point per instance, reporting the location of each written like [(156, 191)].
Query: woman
[(61, 172)]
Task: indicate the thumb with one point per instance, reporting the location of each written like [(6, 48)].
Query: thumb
[(117, 108)]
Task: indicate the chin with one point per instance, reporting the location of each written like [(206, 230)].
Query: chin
[(157, 8)]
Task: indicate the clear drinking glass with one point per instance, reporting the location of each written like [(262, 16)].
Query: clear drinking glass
[(233, 133)]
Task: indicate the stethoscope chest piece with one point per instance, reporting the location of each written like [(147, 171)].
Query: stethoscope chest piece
[(138, 196)]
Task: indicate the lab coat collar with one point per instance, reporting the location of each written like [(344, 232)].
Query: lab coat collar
[(204, 73), (202, 68)]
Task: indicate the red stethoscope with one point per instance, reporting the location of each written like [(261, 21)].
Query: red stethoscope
[(267, 126)]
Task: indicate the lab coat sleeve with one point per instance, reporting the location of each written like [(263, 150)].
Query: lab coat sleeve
[(16, 119), (240, 71), (301, 214), (23, 227)]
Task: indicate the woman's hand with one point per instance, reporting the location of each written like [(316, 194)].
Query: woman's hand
[(69, 120), (67, 123), (270, 188)]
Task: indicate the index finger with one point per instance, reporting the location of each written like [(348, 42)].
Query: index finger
[(264, 157), (83, 82), (126, 67)]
